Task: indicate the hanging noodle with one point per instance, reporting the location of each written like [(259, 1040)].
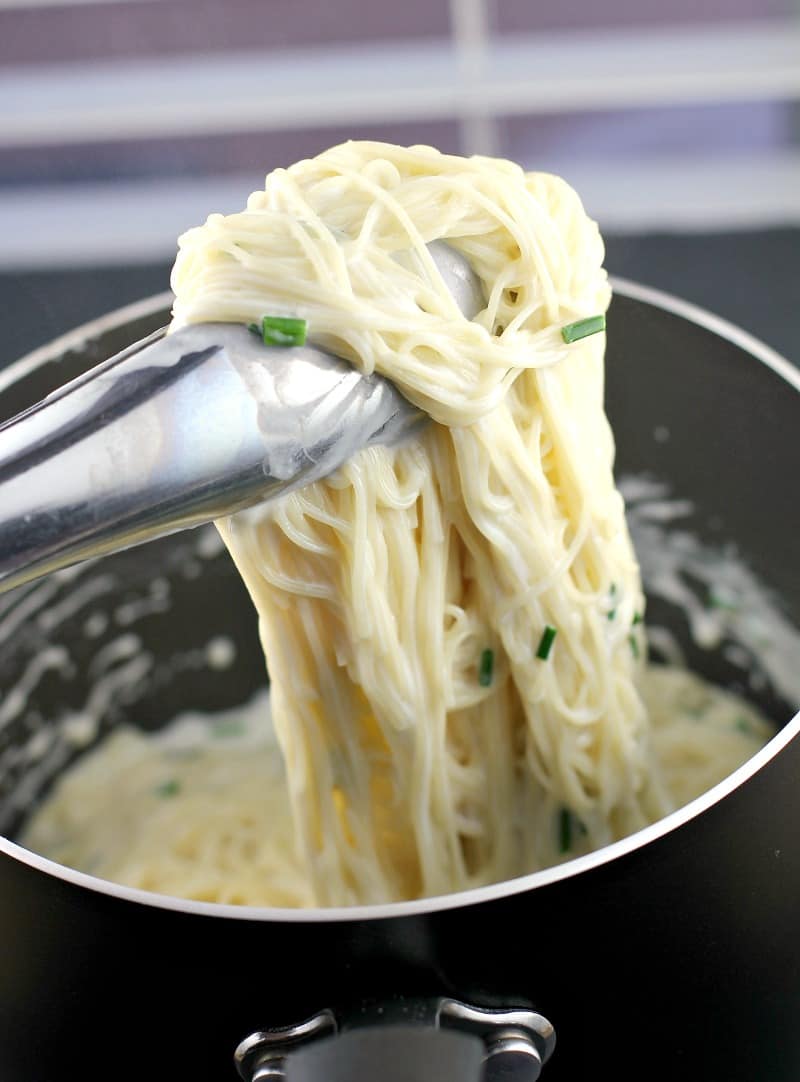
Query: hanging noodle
[(405, 601), (379, 589)]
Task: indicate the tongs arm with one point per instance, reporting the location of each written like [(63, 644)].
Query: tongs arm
[(177, 431)]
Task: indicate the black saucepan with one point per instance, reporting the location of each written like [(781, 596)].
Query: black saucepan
[(672, 955)]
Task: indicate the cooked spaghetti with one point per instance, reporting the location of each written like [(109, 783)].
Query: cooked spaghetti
[(453, 626)]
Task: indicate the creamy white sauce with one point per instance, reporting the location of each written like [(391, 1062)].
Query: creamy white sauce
[(727, 607), (108, 813), (201, 808)]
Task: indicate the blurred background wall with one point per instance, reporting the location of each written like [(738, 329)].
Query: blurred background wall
[(122, 122)]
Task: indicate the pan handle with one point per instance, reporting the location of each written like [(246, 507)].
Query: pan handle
[(408, 1041)]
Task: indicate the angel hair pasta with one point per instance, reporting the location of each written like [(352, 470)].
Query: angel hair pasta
[(380, 589), (453, 626)]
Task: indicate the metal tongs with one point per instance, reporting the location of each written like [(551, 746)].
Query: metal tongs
[(185, 428)]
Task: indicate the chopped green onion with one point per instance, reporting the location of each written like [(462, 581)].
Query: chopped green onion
[(582, 328), (634, 646), (228, 727), (281, 330), (719, 601), (546, 641), (637, 618), (486, 668), (744, 726), (566, 822), (168, 788), (612, 612), (568, 825), (565, 830)]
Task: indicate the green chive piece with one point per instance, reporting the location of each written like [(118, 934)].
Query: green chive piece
[(283, 331), (582, 328), (168, 788), (546, 641), (637, 618), (227, 727), (565, 830), (744, 726), (719, 601), (634, 646), (486, 668), (255, 328)]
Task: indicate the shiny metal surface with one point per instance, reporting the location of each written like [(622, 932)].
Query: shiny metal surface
[(181, 429), (517, 1041), (262, 1055), (512, 1057)]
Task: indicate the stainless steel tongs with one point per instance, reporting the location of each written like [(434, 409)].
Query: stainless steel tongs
[(184, 428)]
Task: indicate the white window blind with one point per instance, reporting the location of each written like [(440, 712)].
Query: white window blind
[(690, 124)]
